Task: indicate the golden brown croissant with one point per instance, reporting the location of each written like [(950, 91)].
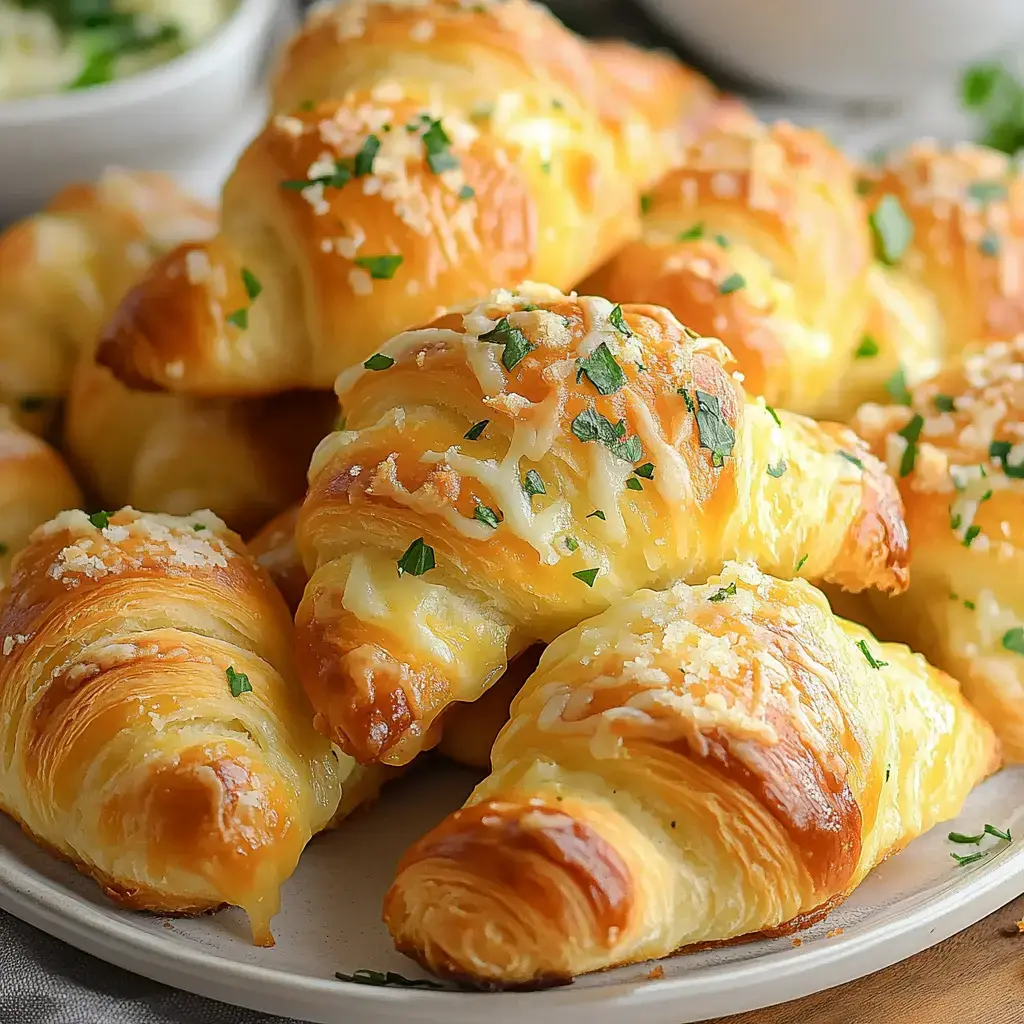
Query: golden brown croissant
[(759, 239), (63, 270), (34, 486), (425, 154), (958, 453), (153, 729), (689, 767), (513, 469)]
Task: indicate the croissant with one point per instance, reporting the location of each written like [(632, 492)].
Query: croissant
[(62, 270), (153, 729), (34, 486), (693, 766), (425, 154), (957, 451), (520, 466)]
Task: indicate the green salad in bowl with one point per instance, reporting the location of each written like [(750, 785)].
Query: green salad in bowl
[(49, 46)]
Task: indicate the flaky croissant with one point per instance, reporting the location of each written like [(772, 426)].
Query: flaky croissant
[(34, 486), (759, 239), (957, 451), (691, 766), (425, 154), (63, 270), (518, 467), (153, 729)]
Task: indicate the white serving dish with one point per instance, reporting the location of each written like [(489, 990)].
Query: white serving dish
[(331, 922), (167, 118), (846, 49)]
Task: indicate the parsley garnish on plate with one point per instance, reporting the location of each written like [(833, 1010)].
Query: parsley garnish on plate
[(533, 484), (646, 471), (851, 458), (714, 430), (634, 485), (590, 425), (418, 559), (944, 403), (516, 344), (778, 470), (959, 837), (438, 146), (365, 157), (1013, 640), (774, 415), (587, 576), (618, 321), (381, 268), (572, 544), (971, 535), (893, 231), (733, 283), (691, 234), (1000, 450), (487, 516), (598, 514), (725, 592), (386, 979), (467, 192), (379, 362), (970, 858), (867, 349), (869, 657), (239, 682), (601, 369), (474, 432), (991, 830), (101, 520), (338, 178), (911, 433), (996, 97), (252, 284), (896, 385), (802, 562)]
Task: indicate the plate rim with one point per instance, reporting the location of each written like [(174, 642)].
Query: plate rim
[(781, 977)]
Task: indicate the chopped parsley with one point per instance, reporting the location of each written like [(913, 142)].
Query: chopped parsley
[(386, 979), (252, 284), (802, 562), (474, 433), (985, 192), (991, 830), (989, 244), (517, 345), (687, 399), (239, 682), (590, 425), (618, 321), (896, 386), (338, 178), (721, 241), (467, 192), (971, 858), (867, 349), (487, 516), (438, 146), (774, 415), (365, 157), (597, 514), (970, 606), (733, 283), (1001, 450), (634, 485), (601, 369), (971, 534), (691, 234), (572, 544), (777, 471), (101, 520), (381, 268), (911, 433), (893, 231), (723, 593), (646, 202), (418, 559), (239, 318), (379, 362), (646, 471), (587, 576), (1013, 640), (198, 527), (869, 657), (850, 457), (715, 432), (960, 837), (533, 484), (944, 403), (955, 520)]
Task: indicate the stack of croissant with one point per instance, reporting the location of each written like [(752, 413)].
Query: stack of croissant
[(559, 518)]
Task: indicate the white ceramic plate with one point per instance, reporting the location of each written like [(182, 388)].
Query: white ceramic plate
[(331, 922)]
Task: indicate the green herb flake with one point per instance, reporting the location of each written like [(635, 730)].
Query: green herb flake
[(572, 544), (851, 458), (418, 559), (989, 244), (597, 514), (911, 433), (893, 231), (601, 369), (618, 321), (438, 146), (960, 837), (971, 534), (590, 425), (867, 349), (1000, 450), (801, 563), (252, 284), (646, 471), (733, 283), (896, 386), (725, 592), (991, 830), (467, 192), (777, 470), (691, 234), (646, 202), (239, 318), (715, 432), (970, 606), (1013, 640), (944, 403), (379, 362), (198, 527), (532, 483), (986, 192), (381, 268), (386, 979), (721, 241), (365, 157), (963, 861), (587, 576), (869, 657), (774, 415), (487, 516), (101, 520), (517, 345), (634, 485), (687, 399), (239, 682), (338, 178), (474, 433)]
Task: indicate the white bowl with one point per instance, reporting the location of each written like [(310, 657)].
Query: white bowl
[(157, 120), (845, 49)]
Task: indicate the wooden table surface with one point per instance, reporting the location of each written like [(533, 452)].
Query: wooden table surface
[(976, 977)]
